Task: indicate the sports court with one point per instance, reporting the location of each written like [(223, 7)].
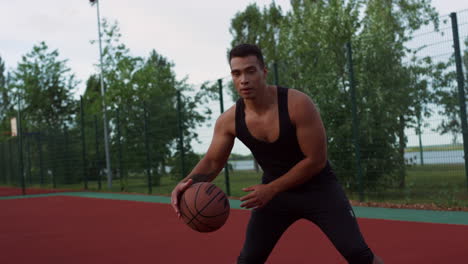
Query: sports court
[(87, 227)]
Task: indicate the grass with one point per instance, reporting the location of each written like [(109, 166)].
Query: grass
[(443, 185), (435, 148)]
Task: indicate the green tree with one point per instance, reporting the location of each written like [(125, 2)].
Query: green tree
[(388, 90), (6, 105), (45, 85), (314, 59), (134, 82), (4, 100), (425, 75), (93, 127), (448, 97), (92, 96)]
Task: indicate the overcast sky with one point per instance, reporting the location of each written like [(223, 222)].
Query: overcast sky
[(192, 34)]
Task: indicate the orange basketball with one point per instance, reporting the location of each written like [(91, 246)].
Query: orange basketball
[(204, 207)]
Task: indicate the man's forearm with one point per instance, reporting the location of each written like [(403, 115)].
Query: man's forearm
[(201, 177), (204, 171)]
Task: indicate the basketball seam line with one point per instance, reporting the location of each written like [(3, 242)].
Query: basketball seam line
[(194, 216), (199, 211)]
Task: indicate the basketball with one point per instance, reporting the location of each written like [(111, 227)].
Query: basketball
[(204, 207)]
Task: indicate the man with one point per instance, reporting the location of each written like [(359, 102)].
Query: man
[(284, 131)]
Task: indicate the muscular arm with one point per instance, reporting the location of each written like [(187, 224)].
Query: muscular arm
[(312, 141), (221, 145), (211, 164)]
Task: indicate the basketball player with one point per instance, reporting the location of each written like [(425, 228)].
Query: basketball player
[(284, 131)]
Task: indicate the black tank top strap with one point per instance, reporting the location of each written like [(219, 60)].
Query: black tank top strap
[(241, 126), (286, 126), (282, 102)]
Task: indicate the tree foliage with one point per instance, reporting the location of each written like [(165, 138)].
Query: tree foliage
[(447, 95), (45, 85), (145, 89), (6, 104), (42, 87)]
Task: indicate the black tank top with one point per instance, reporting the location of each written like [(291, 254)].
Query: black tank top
[(278, 157)]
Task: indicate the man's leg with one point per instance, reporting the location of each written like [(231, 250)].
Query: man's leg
[(337, 220), (263, 231)]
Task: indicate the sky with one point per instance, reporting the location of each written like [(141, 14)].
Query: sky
[(194, 35)]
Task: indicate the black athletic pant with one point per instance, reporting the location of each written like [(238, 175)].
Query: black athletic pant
[(326, 205)]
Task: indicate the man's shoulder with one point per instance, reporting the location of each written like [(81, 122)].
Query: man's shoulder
[(297, 98), (300, 105), (227, 119), (229, 114)]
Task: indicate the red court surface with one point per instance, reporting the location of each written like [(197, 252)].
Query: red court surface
[(61, 229)]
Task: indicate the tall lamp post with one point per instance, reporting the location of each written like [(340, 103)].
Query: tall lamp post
[(104, 117)]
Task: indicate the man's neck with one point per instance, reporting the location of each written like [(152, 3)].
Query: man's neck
[(263, 101)]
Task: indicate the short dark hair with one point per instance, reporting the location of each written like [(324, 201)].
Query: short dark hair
[(244, 50)]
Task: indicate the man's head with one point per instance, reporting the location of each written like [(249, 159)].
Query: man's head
[(248, 70), (244, 50)]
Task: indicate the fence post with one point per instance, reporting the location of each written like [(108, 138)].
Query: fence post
[(419, 132), (28, 152), (226, 166), (5, 161), (123, 182), (53, 153), (461, 89), (41, 161), (355, 121), (20, 148), (3, 164), (98, 158), (83, 145), (11, 162), (181, 135), (275, 68), (420, 139), (66, 157), (52, 157), (148, 159)]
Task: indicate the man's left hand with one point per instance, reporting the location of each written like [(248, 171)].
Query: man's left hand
[(258, 197)]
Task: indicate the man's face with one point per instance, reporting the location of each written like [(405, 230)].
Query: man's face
[(248, 76)]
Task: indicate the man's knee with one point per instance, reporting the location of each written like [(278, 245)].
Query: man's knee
[(360, 257)]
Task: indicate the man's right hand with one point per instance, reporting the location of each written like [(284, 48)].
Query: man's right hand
[(177, 193)]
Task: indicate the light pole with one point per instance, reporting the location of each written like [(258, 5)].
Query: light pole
[(104, 117)]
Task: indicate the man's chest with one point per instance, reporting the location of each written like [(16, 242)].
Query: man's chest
[(265, 127)]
